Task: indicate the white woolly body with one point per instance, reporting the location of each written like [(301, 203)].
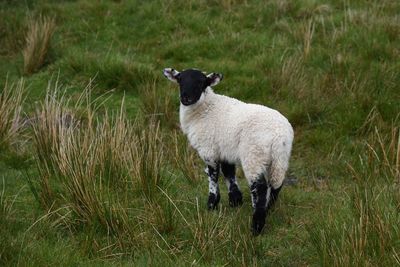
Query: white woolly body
[(222, 128)]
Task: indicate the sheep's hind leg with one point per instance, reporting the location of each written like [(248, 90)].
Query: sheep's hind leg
[(213, 189), (235, 196), (263, 196), (260, 192)]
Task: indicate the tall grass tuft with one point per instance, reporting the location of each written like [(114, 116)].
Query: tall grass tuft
[(79, 154), (11, 100), (48, 130), (37, 43), (292, 76), (92, 168), (146, 159), (158, 104), (185, 159), (70, 158)]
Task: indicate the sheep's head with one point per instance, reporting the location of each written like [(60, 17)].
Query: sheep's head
[(192, 83)]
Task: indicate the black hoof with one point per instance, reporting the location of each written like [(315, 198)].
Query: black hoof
[(213, 201), (258, 221), (235, 198)]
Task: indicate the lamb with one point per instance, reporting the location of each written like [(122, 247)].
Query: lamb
[(227, 132)]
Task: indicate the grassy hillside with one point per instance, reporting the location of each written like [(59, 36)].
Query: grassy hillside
[(94, 169)]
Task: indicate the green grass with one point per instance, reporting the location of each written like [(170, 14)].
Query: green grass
[(94, 168)]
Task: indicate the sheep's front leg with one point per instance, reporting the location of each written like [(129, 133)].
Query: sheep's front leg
[(235, 196), (213, 189)]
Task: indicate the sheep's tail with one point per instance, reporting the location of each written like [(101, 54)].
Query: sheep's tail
[(281, 150)]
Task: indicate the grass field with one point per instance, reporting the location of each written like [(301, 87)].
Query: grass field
[(95, 171)]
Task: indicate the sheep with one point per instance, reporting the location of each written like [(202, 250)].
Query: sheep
[(227, 132)]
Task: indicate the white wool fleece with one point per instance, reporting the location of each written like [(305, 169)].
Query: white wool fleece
[(222, 128)]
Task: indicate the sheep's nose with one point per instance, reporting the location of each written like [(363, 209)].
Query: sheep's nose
[(185, 99)]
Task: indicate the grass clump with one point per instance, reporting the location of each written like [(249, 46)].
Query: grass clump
[(89, 167), (185, 159), (11, 101), (147, 160), (157, 104), (80, 161), (38, 38)]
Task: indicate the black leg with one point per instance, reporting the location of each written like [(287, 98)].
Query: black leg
[(213, 189), (259, 190), (235, 196), (264, 197)]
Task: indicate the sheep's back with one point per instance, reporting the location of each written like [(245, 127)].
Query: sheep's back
[(227, 128), (247, 128)]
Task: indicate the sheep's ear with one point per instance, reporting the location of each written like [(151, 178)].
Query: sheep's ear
[(171, 74), (214, 78)]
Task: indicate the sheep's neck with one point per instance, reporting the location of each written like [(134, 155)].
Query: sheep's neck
[(194, 113)]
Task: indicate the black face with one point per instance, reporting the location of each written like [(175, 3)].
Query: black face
[(192, 84)]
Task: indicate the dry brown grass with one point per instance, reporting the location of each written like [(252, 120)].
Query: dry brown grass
[(11, 100), (158, 104), (185, 158), (92, 170), (84, 158), (292, 77), (37, 43), (146, 159), (308, 34)]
